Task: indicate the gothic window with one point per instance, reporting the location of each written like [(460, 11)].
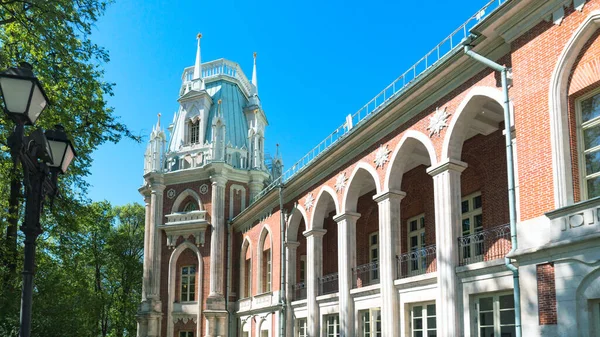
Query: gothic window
[(422, 320), (416, 243), (194, 131), (588, 120), (186, 334), (472, 227), (190, 206), (266, 270), (247, 277), (188, 284), (496, 315)]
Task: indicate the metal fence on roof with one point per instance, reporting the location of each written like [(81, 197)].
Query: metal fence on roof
[(438, 53)]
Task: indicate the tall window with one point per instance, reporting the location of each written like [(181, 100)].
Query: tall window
[(416, 243), (302, 268), (194, 129), (186, 334), (332, 325), (302, 327), (370, 322), (247, 277), (422, 320), (496, 316), (472, 223), (188, 284), (588, 119), (266, 270), (374, 254)]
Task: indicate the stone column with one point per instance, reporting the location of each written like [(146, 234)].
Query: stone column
[(447, 196), (154, 242), (291, 248), (314, 270), (346, 264), (216, 298), (147, 236), (389, 246)]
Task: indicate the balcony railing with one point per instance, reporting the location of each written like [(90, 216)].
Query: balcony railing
[(299, 291), (486, 245), (366, 274), (328, 284), (451, 43), (181, 218), (416, 262)]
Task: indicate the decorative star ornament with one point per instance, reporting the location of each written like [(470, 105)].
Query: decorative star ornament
[(438, 121), (309, 202), (340, 182), (382, 156)]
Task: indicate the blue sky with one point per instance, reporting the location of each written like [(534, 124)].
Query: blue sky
[(318, 61)]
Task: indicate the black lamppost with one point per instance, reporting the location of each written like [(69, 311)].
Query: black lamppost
[(42, 156)]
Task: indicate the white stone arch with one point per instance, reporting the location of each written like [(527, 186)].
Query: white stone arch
[(589, 289), (265, 234), (246, 246), (233, 189), (172, 286), (182, 196), (409, 140), (457, 130), (319, 213), (559, 121), (297, 215), (351, 195)]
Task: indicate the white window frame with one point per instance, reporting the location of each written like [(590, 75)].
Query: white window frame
[(581, 150), (374, 254), (194, 132), (190, 206), (332, 325), (474, 248), (370, 322), (419, 233), (495, 310), (301, 327), (302, 268), (425, 328), (267, 269), (191, 290)]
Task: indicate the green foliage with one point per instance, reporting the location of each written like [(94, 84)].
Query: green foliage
[(89, 276)]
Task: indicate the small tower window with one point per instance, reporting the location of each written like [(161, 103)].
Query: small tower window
[(194, 129)]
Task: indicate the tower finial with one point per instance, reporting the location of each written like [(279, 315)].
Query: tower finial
[(158, 120), (254, 80), (277, 150), (198, 64)]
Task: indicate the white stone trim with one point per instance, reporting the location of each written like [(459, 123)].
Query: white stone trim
[(233, 189), (264, 234), (397, 161), (351, 194), (318, 214), (182, 196), (298, 213)]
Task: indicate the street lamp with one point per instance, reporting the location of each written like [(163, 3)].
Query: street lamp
[(42, 156)]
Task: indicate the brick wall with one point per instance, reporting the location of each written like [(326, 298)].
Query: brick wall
[(330, 245), (546, 288), (367, 224)]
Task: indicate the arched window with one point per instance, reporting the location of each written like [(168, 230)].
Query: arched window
[(265, 262), (588, 120), (246, 270), (190, 206)]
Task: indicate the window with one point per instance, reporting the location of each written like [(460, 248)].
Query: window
[(496, 316), (416, 243), (422, 320), (189, 76), (332, 325), (374, 254), (472, 223), (302, 268), (266, 270), (370, 322), (194, 129), (186, 334), (190, 206), (264, 333), (188, 283), (301, 327), (247, 277), (588, 120)]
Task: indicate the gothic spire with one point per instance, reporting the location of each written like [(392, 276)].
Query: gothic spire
[(198, 65), (254, 80)]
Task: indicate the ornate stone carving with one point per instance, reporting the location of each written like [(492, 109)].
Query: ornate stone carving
[(204, 189), (438, 121), (340, 182), (382, 156), (309, 201), (171, 194)]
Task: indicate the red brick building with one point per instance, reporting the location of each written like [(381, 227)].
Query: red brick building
[(463, 200)]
